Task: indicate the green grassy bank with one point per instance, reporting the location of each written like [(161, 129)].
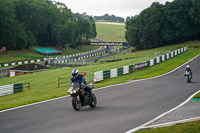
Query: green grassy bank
[(111, 32), (191, 127), (197, 96)]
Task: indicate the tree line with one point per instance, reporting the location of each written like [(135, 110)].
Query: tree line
[(160, 25), (24, 23), (109, 18)]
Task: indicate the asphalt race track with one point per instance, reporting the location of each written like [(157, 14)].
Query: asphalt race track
[(119, 108)]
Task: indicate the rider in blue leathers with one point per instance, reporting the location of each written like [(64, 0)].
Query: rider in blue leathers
[(79, 78)]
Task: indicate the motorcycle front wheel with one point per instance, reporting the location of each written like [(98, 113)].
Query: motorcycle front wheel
[(76, 103), (188, 79), (94, 101)]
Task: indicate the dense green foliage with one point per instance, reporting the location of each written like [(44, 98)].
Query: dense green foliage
[(109, 18), (28, 22), (86, 28), (161, 25)]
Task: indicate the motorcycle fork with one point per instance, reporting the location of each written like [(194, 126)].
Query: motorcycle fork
[(81, 100), (78, 99)]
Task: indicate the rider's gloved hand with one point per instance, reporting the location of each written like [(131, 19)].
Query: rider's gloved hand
[(83, 84)]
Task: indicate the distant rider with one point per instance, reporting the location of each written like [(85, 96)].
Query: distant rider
[(188, 69), (79, 78)]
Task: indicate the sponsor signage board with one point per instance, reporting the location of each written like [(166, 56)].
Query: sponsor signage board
[(140, 66), (104, 43)]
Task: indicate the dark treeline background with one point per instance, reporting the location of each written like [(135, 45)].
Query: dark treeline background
[(109, 18), (160, 25), (42, 22)]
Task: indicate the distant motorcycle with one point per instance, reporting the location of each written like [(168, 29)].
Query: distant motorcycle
[(80, 97), (188, 76)]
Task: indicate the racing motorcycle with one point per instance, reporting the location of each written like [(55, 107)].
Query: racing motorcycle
[(188, 76), (80, 97)]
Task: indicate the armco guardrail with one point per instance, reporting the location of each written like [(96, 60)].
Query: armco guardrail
[(67, 57), (77, 57), (10, 89), (102, 75)]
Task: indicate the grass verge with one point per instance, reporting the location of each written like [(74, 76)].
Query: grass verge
[(197, 95), (154, 70), (14, 56), (44, 85), (152, 53), (191, 127), (111, 32)]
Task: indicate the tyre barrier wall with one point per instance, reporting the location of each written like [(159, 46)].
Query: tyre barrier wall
[(102, 75), (10, 89), (67, 57)]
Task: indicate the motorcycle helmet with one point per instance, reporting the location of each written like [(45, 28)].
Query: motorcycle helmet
[(187, 66), (75, 72)]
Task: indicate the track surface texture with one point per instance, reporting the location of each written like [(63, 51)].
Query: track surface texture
[(119, 108)]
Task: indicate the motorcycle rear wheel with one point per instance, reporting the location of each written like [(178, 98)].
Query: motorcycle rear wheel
[(76, 103)]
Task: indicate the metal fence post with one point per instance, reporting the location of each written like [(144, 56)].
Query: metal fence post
[(58, 82)]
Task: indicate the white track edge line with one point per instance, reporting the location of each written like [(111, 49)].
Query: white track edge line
[(97, 88), (160, 116), (33, 104), (173, 123)]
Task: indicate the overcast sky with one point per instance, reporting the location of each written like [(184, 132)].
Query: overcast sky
[(122, 8)]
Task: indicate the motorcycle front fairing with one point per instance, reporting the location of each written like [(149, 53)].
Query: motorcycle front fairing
[(74, 89), (187, 73)]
